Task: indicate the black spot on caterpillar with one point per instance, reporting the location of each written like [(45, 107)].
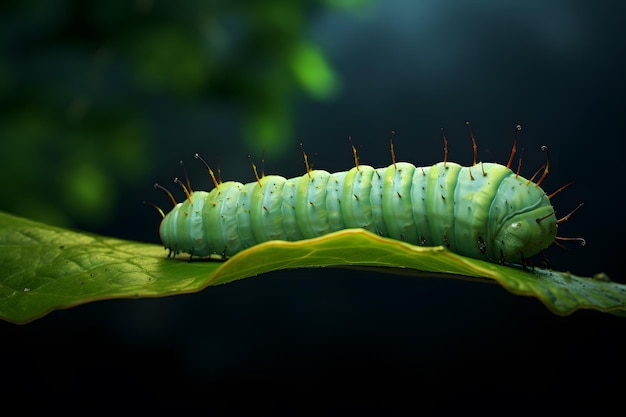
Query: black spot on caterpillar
[(484, 211)]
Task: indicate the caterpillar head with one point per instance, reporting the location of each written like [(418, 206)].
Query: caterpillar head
[(526, 223)]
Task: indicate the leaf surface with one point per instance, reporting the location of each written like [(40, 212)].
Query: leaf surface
[(43, 268)]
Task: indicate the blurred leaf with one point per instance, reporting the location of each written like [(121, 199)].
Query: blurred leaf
[(88, 191), (313, 72), (46, 268), (90, 90), (349, 4), (168, 58), (265, 128)]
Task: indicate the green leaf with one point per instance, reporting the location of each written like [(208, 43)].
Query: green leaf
[(312, 71), (46, 268)]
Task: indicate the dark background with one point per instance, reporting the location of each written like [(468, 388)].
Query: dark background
[(99, 100)]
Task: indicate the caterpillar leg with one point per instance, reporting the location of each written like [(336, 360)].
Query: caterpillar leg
[(214, 257)]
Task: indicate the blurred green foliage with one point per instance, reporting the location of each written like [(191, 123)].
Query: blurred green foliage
[(76, 78)]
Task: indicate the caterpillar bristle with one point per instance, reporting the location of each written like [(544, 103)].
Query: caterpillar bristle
[(182, 164), (519, 163), (156, 207), (215, 182), (256, 174), (219, 171), (445, 148), (545, 172), (530, 181), (306, 160), (156, 185), (393, 154), (559, 190), (547, 216), (567, 216), (518, 128), (179, 182), (474, 146), (580, 240), (355, 156)]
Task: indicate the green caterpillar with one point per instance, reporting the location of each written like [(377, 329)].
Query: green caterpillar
[(485, 211)]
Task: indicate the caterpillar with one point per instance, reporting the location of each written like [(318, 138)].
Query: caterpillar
[(484, 211)]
